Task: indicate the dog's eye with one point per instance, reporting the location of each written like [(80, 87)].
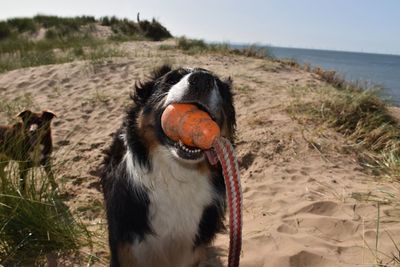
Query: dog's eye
[(174, 77), (172, 80)]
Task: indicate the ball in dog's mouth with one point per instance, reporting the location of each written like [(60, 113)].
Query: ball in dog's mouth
[(189, 124), (191, 129)]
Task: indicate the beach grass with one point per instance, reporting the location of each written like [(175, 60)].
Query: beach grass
[(66, 39), (16, 54), (361, 116), (198, 46), (35, 225)]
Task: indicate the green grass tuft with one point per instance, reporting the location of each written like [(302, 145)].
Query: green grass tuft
[(22, 25), (36, 224), (5, 30)]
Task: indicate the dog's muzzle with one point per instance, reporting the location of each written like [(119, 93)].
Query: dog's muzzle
[(200, 88)]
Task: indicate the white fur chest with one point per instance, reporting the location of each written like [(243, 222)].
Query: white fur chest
[(178, 196)]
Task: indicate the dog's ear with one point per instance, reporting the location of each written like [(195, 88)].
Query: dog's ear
[(48, 115), (226, 93), (160, 71), (24, 115), (143, 90)]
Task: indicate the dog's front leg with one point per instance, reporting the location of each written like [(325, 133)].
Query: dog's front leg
[(24, 167), (3, 177), (50, 174)]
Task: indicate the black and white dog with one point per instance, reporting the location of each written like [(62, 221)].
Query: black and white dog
[(165, 202)]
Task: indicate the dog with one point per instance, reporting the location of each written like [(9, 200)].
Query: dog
[(28, 142), (165, 203)]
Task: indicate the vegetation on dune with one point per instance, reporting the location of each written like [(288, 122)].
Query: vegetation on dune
[(14, 27), (195, 46), (360, 115), (16, 54), (35, 225), (67, 39), (151, 30), (62, 27)]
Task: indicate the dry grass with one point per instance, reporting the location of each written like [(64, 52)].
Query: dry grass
[(361, 116), (196, 46)]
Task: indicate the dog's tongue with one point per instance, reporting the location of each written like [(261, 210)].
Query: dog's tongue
[(211, 156)]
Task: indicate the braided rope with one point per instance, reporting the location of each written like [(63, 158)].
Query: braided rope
[(230, 169)]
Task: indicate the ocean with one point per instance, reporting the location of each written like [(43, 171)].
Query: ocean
[(373, 69)]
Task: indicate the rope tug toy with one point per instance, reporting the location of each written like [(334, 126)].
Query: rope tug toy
[(194, 127)]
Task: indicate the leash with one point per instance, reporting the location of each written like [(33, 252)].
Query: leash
[(194, 127), (230, 169)]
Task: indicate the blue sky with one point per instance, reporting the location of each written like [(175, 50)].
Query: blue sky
[(352, 25)]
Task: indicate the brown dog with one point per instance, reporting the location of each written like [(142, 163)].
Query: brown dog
[(29, 142)]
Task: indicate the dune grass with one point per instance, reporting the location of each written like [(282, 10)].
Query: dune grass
[(66, 39), (35, 225), (197, 46), (362, 117), (16, 54), (64, 27), (150, 30)]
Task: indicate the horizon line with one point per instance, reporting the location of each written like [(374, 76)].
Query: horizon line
[(261, 44)]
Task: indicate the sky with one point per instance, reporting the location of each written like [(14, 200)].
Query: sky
[(349, 25)]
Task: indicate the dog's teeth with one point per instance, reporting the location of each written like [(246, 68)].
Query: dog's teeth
[(188, 150)]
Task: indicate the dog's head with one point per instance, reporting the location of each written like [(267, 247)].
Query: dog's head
[(183, 85), (35, 124)]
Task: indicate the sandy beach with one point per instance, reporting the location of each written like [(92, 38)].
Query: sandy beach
[(305, 198)]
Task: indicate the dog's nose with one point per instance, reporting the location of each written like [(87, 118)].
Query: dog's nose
[(33, 127), (201, 80)]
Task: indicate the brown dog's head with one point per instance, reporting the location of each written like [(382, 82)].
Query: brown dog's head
[(36, 127), (30, 139), (36, 122)]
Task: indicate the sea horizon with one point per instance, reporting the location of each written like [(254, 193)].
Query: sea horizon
[(247, 44), (372, 69)]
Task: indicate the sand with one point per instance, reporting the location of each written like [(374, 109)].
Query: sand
[(304, 195)]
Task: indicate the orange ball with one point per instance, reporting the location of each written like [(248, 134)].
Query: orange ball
[(186, 122)]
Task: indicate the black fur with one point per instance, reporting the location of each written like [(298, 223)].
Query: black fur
[(213, 216)]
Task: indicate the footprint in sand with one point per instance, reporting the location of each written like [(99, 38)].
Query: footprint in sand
[(58, 123), (65, 80), (48, 73), (246, 161), (326, 208), (51, 83), (287, 229), (63, 142), (22, 84), (310, 259)]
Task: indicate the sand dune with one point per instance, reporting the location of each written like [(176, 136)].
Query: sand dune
[(302, 204)]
